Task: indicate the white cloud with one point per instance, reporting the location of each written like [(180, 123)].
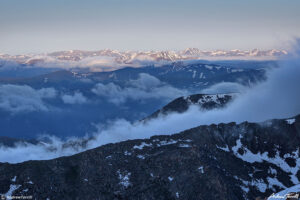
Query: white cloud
[(77, 98), (145, 87), (22, 98), (145, 81), (42, 151), (224, 88), (94, 63)]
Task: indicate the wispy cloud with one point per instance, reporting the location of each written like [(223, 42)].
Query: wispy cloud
[(145, 87), (23, 98), (224, 87)]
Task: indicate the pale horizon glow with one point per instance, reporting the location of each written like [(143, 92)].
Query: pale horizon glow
[(34, 26)]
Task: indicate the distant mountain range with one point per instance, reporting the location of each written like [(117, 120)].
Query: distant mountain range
[(178, 74), (223, 161), (107, 57)]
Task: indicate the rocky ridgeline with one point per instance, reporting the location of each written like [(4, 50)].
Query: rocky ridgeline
[(203, 101), (224, 161)]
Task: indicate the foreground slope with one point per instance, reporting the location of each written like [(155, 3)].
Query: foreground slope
[(224, 161)]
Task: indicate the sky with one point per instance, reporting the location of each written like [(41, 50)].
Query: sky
[(35, 26)]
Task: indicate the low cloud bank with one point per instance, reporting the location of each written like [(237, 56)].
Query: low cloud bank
[(22, 98), (42, 151), (93, 63), (145, 87), (278, 97)]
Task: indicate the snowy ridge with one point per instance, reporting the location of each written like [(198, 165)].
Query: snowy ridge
[(203, 101), (130, 57)]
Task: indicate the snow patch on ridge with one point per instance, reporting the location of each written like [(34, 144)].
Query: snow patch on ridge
[(290, 121), (124, 179), (250, 157), (12, 189)]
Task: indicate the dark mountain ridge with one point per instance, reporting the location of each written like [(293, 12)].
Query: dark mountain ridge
[(178, 74), (224, 161), (203, 101)]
